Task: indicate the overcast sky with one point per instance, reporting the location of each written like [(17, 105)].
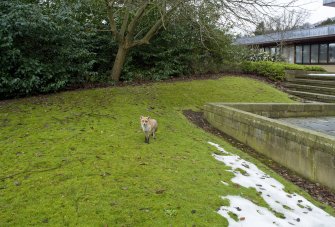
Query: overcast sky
[(318, 11)]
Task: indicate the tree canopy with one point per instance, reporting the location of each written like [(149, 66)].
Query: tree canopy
[(47, 45), (134, 23)]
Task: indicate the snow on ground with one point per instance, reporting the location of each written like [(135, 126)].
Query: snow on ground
[(297, 210)]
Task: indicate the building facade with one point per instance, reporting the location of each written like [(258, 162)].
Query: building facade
[(329, 3), (315, 46)]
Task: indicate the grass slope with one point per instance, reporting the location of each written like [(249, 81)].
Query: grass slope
[(79, 158)]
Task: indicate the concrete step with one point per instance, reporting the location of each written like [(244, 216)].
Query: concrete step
[(321, 83), (317, 77), (313, 96), (310, 88)]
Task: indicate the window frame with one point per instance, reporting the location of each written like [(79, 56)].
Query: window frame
[(310, 54)]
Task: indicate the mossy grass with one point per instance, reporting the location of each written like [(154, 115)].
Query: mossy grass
[(233, 215), (79, 158)]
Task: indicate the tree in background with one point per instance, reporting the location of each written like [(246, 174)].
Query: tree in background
[(288, 20), (260, 29), (52, 44), (134, 23), (328, 21), (180, 49)]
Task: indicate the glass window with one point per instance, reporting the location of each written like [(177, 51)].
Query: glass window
[(287, 53), (306, 54), (298, 54), (273, 50), (315, 53), (331, 52), (280, 50), (267, 49), (291, 54), (323, 53)]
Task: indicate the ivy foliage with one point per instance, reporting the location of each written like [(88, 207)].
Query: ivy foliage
[(41, 52), (47, 46), (180, 48)]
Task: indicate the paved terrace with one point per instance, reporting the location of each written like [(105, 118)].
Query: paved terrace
[(320, 124)]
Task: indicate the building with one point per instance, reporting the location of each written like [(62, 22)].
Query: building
[(315, 46), (329, 3)]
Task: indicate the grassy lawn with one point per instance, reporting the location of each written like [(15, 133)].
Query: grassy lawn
[(79, 158)]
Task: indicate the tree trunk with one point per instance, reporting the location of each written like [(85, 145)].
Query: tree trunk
[(119, 62)]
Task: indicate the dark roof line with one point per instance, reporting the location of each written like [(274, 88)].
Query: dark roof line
[(293, 35), (329, 3)]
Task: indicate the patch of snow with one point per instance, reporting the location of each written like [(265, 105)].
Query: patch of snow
[(219, 148), (297, 210), (225, 183), (249, 214)]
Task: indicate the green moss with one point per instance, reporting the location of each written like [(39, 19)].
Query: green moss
[(233, 216), (278, 214), (242, 171), (301, 206), (218, 153), (287, 207), (225, 202), (79, 158)]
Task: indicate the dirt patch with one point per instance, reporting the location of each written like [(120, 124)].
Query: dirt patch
[(316, 190)]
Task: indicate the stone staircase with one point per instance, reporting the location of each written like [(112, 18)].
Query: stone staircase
[(315, 87)]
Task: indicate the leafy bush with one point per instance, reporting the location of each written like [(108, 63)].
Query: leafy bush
[(40, 51), (46, 47), (274, 70), (165, 57), (178, 50), (257, 55)]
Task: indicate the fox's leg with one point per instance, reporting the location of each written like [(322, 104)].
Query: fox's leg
[(147, 136), (153, 134)]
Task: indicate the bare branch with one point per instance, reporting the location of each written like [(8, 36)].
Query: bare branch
[(135, 20), (125, 19), (154, 29), (110, 5)]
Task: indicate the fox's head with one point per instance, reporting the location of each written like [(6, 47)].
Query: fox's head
[(144, 120)]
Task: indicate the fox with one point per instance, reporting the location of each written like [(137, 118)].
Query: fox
[(149, 126)]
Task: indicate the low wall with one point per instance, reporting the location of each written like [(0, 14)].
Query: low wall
[(283, 110), (328, 68), (309, 153)]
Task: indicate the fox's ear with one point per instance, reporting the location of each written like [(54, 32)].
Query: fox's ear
[(148, 117), (141, 117)]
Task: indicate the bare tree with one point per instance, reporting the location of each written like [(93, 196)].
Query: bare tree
[(288, 20), (135, 22)]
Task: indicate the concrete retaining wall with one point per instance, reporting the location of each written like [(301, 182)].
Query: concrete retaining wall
[(283, 110), (328, 68), (309, 153)]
